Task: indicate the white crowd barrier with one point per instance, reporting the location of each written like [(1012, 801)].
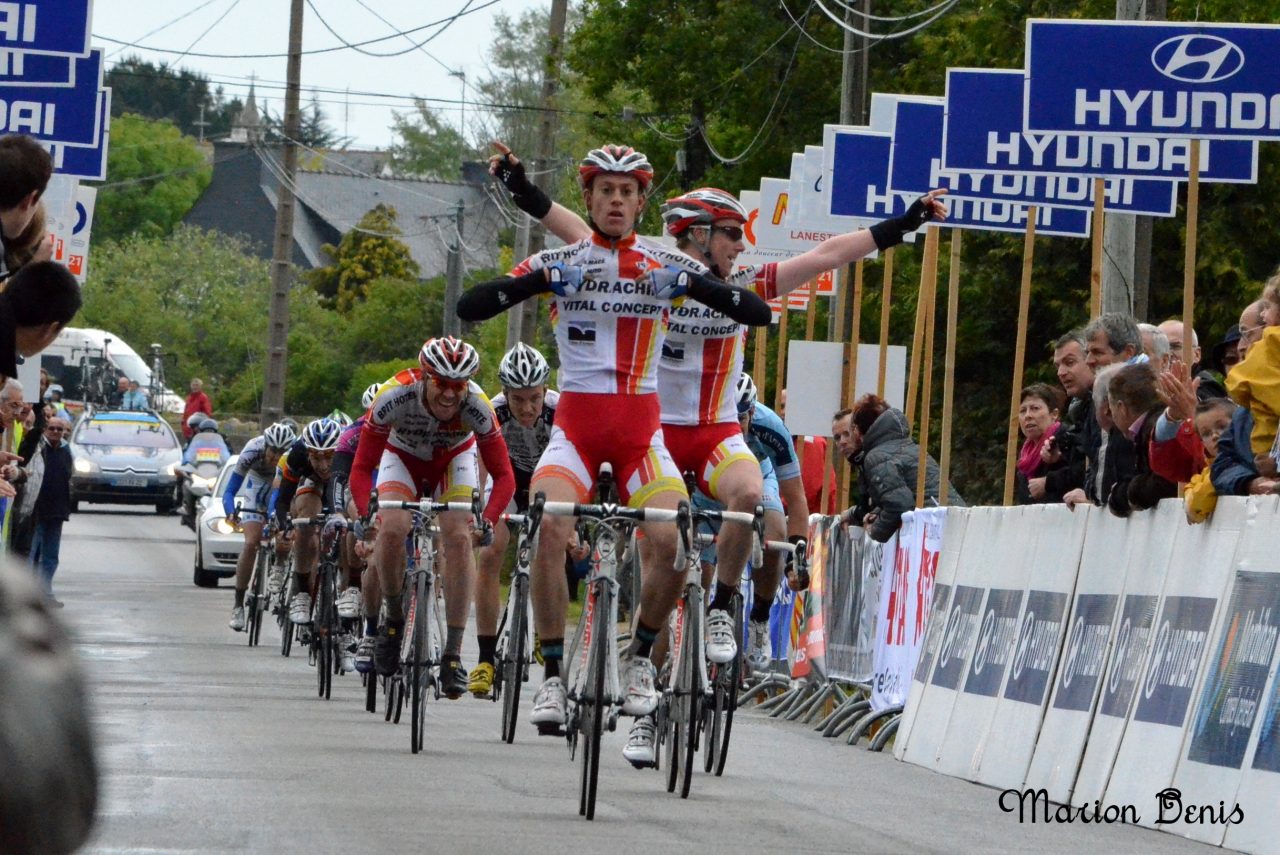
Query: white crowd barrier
[(1129, 662)]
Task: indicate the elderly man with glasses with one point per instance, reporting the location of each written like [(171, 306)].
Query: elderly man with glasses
[(53, 501)]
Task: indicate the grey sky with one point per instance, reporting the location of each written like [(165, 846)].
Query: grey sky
[(262, 26)]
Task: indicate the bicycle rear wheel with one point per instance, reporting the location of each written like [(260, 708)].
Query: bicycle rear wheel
[(371, 692), (417, 670), (513, 661), (592, 720), (323, 627), (286, 625)]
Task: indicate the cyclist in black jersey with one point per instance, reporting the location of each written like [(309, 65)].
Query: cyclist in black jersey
[(526, 410)]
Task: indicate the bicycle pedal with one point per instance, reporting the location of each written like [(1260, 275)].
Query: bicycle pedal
[(551, 730)]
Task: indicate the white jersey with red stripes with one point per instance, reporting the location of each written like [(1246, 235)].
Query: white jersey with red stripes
[(703, 353), (610, 333)]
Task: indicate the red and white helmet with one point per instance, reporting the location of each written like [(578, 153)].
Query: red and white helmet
[(701, 207), (449, 358), (616, 159)]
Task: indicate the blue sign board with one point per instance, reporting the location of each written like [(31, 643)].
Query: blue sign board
[(917, 160), (958, 636), (36, 69), (69, 115), (1129, 651), (996, 637), (87, 162), (984, 133), (1212, 81), (1039, 638), (46, 26), (1232, 691)]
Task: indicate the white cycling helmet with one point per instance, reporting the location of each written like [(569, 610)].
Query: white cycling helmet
[(523, 368), (366, 400), (321, 435), (700, 207), (279, 436), (618, 160), (449, 358), (746, 394)]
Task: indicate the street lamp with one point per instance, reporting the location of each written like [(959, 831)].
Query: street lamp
[(462, 75)]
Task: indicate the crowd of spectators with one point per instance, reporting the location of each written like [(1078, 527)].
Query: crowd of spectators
[(1139, 415)]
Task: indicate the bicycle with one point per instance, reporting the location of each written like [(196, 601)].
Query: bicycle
[(421, 648), (514, 650), (326, 626), (255, 599), (595, 691)]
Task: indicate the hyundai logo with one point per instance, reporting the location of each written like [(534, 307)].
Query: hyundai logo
[(1197, 58)]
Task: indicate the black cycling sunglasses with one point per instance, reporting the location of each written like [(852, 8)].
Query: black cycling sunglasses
[(733, 233)]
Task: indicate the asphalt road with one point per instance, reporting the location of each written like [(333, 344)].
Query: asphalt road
[(209, 746)]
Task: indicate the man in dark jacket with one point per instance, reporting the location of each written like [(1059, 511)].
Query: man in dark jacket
[(1235, 468), (53, 504), (1077, 441), (888, 464)]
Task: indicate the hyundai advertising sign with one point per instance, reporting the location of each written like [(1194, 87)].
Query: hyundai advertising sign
[(1210, 81), (984, 133), (36, 69), (67, 115), (1177, 649), (916, 163), (46, 26), (1085, 657)]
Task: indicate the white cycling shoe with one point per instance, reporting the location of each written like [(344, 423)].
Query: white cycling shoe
[(237, 621), (300, 608), (349, 603), (549, 704), (759, 646), (721, 644), (638, 676), (639, 750)]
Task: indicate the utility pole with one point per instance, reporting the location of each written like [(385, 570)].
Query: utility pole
[(282, 252), (1120, 231), (453, 277), (544, 160), (201, 124)]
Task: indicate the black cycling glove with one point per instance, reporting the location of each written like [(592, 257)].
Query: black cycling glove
[(889, 233), (527, 195)]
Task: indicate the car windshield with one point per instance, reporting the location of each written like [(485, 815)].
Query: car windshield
[(137, 434)]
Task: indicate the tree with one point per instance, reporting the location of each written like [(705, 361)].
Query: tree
[(161, 92), (428, 147), (154, 176), (314, 130), (369, 251)]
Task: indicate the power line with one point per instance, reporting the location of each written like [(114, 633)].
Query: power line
[(420, 48), (943, 8), (412, 47), (890, 19), (314, 51), (182, 17), (208, 29)]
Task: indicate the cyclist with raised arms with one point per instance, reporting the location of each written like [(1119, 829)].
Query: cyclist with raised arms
[(526, 409), (251, 482), (611, 294), (422, 435), (703, 358)]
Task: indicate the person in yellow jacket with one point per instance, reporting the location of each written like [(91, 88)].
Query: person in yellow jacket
[(1255, 380), (1212, 418)]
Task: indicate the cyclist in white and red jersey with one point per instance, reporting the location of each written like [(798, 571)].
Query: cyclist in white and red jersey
[(526, 409), (612, 294), (702, 359), (422, 435)]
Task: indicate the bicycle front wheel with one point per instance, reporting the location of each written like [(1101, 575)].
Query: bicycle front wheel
[(592, 720), (254, 601), (418, 666), (513, 662)]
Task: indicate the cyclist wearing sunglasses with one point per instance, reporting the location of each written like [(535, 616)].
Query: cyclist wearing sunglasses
[(612, 295), (423, 435)]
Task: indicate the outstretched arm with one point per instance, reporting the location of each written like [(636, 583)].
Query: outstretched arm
[(848, 248), (555, 218), (492, 298)]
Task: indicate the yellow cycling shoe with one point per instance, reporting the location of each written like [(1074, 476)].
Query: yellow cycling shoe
[(480, 680)]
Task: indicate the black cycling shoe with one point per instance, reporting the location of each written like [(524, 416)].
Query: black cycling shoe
[(386, 648), (453, 678)]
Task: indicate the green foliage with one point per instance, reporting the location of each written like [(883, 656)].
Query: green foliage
[(376, 372), (154, 176), (161, 92), (368, 252), (427, 146), (314, 129), (395, 318)]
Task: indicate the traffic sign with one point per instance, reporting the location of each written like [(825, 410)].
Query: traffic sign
[(915, 165), (984, 133), (68, 115), (46, 26), (1209, 81)]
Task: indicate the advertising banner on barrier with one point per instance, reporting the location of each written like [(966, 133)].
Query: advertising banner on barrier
[(1212, 81), (984, 134), (811, 649), (917, 163), (906, 594)]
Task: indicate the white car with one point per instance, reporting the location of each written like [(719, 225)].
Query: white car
[(218, 543)]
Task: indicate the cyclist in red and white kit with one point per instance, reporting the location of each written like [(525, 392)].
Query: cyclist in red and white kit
[(702, 360), (612, 292), (422, 434)]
